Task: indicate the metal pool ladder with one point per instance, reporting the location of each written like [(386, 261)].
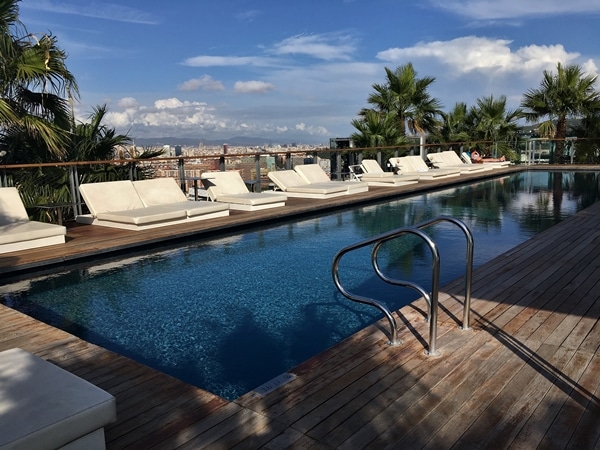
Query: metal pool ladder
[(430, 297)]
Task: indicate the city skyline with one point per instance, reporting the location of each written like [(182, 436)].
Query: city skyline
[(300, 72)]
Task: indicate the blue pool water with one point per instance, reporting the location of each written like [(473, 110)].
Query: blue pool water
[(229, 314)]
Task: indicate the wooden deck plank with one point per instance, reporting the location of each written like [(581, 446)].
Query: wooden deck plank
[(525, 376)]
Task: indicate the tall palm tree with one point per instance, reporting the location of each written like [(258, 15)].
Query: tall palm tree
[(406, 97), (568, 93), (35, 86)]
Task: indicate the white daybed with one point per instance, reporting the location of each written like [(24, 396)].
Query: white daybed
[(313, 173), (17, 232), (414, 165), (493, 164), (140, 205), (45, 407), (374, 175), (229, 187), (448, 159), (294, 185)]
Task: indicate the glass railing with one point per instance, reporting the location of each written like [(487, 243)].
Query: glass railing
[(50, 190)]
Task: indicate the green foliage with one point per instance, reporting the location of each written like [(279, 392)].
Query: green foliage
[(402, 104), (568, 93)]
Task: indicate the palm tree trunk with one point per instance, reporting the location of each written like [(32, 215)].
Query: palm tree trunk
[(560, 135)]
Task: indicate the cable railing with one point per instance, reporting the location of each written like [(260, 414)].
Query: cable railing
[(431, 297)]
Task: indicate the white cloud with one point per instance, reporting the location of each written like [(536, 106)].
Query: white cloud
[(321, 46), (248, 16), (128, 102), (312, 130), (205, 83), (482, 54), (511, 9), (252, 87), (97, 10), (227, 61)]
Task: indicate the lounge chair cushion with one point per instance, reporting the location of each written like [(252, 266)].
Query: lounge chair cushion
[(313, 173), (17, 232), (221, 183), (110, 196), (252, 198), (144, 215), (372, 169), (159, 191), (286, 179), (30, 231), (11, 207), (45, 407), (318, 188)]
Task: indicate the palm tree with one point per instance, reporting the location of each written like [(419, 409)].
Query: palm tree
[(376, 130), (35, 88), (406, 98), (489, 120), (453, 126), (568, 93)]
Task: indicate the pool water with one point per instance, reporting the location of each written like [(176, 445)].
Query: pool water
[(229, 314)]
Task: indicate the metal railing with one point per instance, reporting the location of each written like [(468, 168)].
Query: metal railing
[(432, 297)]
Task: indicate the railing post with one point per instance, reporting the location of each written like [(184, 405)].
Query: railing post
[(222, 164), (181, 169), (257, 186)]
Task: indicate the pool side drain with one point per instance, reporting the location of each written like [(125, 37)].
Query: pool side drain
[(274, 383)]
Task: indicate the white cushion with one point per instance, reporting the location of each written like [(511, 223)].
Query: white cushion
[(110, 196), (313, 173), (159, 191), (28, 231), (45, 407), (11, 206), (143, 216)]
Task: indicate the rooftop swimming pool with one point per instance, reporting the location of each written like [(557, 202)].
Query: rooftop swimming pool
[(229, 314)]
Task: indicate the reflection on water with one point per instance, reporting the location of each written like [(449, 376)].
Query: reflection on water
[(229, 314)]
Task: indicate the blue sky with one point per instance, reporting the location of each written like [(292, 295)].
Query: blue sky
[(300, 70)]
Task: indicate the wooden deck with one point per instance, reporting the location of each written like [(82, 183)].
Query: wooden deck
[(526, 376)]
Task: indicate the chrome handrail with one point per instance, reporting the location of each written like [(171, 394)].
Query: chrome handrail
[(431, 298)]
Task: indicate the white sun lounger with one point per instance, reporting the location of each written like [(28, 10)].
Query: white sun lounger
[(448, 159), (492, 164), (144, 204), (17, 232), (229, 187), (290, 182), (374, 175), (313, 173), (414, 165)]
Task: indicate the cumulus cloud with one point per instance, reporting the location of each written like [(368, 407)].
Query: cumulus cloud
[(482, 54), (511, 9), (321, 46), (312, 130), (128, 102), (205, 83), (252, 87)]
